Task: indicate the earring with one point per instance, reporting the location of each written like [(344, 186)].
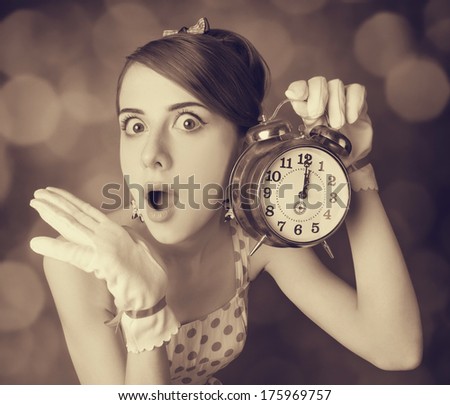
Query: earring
[(135, 213), (229, 214)]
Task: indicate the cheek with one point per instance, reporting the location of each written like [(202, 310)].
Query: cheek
[(212, 164), (130, 156)]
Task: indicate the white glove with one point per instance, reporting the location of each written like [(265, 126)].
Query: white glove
[(96, 244), (343, 108)]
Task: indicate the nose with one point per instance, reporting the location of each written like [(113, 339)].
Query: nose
[(155, 154)]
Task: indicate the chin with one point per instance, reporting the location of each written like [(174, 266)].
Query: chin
[(180, 227)]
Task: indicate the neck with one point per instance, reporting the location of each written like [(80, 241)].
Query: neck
[(195, 251)]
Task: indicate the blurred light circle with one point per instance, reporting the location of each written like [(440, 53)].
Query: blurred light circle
[(299, 6), (417, 89), (6, 172), (92, 87), (121, 30), (411, 209), (95, 177), (22, 252), (6, 124), (23, 296), (80, 76), (15, 352), (85, 107), (65, 143), (436, 10), (439, 34), (29, 43), (34, 109), (382, 41)]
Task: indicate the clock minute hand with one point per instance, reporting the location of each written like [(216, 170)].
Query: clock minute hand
[(304, 193)]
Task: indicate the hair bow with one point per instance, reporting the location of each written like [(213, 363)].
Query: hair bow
[(201, 27)]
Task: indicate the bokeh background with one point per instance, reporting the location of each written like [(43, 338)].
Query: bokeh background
[(59, 61)]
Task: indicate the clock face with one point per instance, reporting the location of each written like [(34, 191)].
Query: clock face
[(304, 194)]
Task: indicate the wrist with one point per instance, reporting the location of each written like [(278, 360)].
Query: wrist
[(362, 176), (149, 332), (146, 329)]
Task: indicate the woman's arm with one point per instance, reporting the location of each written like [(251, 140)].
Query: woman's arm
[(115, 271), (98, 352), (379, 320), (386, 296)]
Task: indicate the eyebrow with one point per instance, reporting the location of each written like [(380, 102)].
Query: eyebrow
[(186, 104), (173, 107), (131, 110)]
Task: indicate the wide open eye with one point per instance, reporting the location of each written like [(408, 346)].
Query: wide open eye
[(188, 122), (133, 126)]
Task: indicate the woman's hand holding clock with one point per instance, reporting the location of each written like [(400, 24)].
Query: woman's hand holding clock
[(95, 244), (343, 108)]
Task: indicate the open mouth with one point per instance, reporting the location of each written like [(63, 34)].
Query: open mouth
[(159, 197)]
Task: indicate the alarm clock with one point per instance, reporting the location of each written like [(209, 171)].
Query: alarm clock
[(290, 188)]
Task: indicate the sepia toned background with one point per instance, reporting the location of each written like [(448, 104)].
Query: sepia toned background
[(59, 61)]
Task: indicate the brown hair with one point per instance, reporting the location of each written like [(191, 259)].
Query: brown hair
[(220, 68)]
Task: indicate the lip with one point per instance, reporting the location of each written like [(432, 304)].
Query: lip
[(160, 215)]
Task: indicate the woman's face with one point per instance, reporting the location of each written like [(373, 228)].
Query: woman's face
[(175, 154)]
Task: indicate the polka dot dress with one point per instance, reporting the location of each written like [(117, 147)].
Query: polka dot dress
[(204, 346)]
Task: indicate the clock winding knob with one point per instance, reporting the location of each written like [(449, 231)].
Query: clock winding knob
[(333, 140)]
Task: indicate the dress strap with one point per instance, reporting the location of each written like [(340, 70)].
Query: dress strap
[(241, 245)]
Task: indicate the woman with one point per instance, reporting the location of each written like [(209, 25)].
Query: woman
[(179, 283)]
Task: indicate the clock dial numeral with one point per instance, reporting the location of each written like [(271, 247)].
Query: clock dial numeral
[(269, 210), (315, 227), (298, 229), (321, 166), (267, 192), (273, 176), (305, 159), (331, 180), (327, 214), (333, 198), (286, 163), (281, 224)]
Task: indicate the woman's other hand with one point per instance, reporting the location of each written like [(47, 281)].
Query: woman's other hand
[(342, 107), (94, 243)]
